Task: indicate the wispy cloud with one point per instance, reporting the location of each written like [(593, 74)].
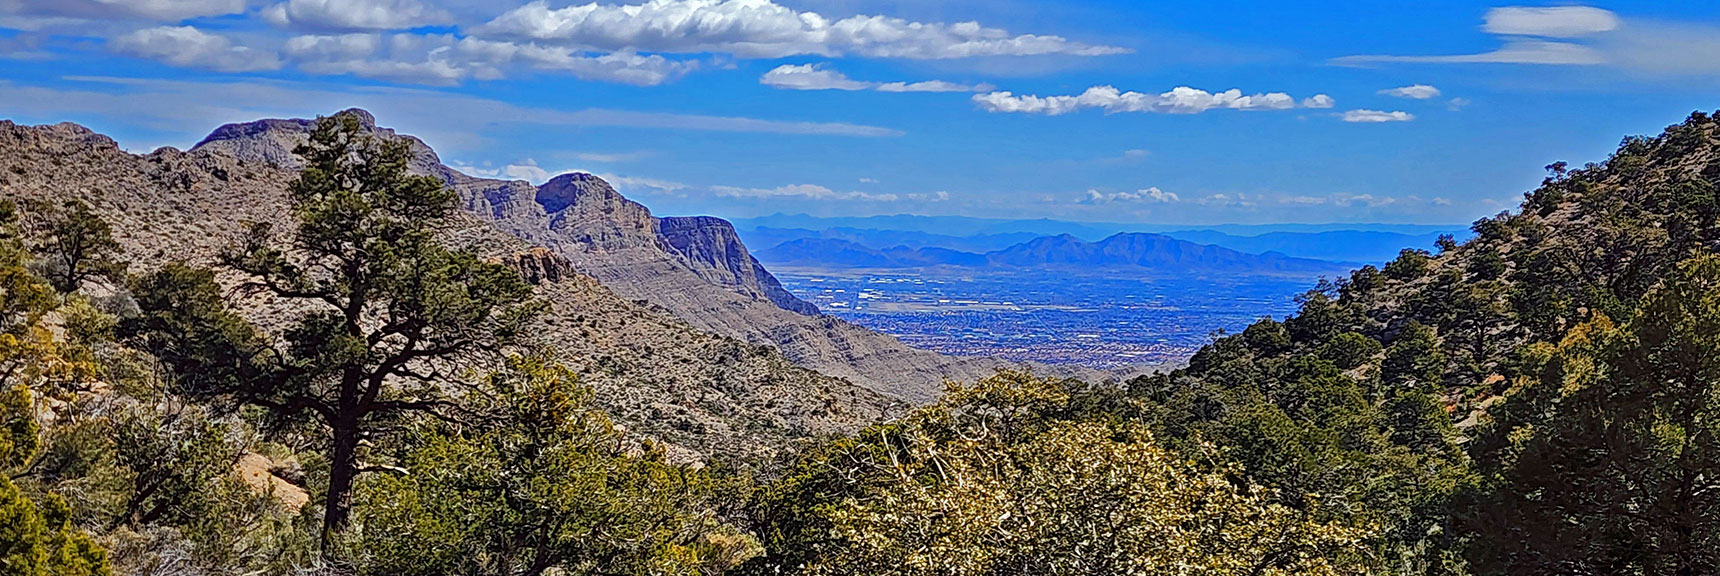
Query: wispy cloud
[(187, 109), (821, 77), (1514, 52), (607, 158), (1365, 116), (444, 59), (150, 10), (1413, 92), (1132, 156), (1549, 22), (1582, 36), (806, 191)]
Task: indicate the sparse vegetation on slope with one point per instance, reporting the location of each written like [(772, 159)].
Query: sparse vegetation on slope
[(703, 396)]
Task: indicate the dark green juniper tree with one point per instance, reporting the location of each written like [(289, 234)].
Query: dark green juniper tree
[(391, 317), (77, 245)]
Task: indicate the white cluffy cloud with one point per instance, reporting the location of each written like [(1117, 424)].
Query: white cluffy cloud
[(189, 47), (1365, 116), (1319, 101), (355, 14), (764, 29), (154, 10), (1145, 195), (1413, 92), (818, 77), (442, 59), (1180, 100)]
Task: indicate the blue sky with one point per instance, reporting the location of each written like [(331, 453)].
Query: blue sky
[(1113, 111)]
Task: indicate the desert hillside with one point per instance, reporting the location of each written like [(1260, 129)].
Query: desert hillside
[(706, 394)]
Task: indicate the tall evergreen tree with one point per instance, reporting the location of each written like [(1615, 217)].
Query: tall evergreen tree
[(77, 245), (391, 316)]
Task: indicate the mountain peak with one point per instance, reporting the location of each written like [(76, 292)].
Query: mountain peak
[(569, 189), (571, 178), (272, 140)]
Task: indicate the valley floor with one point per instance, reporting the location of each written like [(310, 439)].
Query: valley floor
[(1102, 322)]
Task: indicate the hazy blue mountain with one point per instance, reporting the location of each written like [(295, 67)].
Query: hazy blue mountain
[(827, 253), (1090, 231), (1262, 229), (1339, 245), (1366, 244), (1120, 251), (836, 253), (1149, 251), (934, 256), (960, 226), (884, 239)]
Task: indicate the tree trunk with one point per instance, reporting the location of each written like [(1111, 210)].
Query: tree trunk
[(343, 469)]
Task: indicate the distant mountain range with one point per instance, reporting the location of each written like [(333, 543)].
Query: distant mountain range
[(765, 237), (1120, 251), (1358, 246), (1364, 245), (963, 226)]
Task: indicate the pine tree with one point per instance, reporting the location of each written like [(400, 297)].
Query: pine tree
[(393, 317), (77, 245)]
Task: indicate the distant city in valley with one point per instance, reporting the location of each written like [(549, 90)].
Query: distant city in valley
[(1062, 293), (1103, 296), (1099, 322)]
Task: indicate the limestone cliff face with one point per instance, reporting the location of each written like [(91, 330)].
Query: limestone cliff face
[(722, 258), (695, 268), (538, 265)]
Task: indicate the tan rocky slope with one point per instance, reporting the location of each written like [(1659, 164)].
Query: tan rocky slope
[(696, 268), (662, 378)]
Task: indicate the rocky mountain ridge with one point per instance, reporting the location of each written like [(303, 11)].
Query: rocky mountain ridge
[(703, 395), (696, 268)]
